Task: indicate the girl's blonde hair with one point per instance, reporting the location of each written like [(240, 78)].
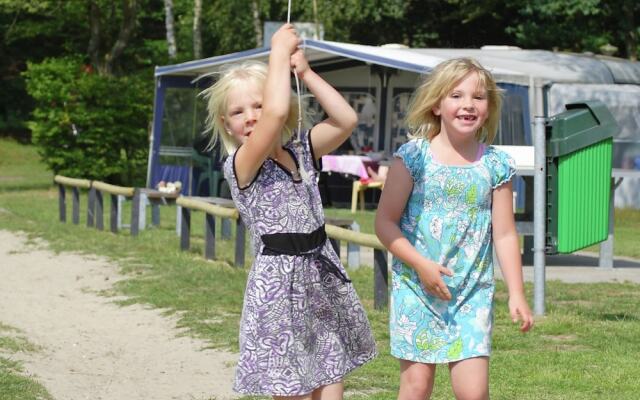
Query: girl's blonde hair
[(421, 120), (216, 97)]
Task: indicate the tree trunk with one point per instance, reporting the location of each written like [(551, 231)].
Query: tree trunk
[(126, 29), (630, 30), (94, 40), (197, 32), (315, 20), (257, 24), (171, 35)]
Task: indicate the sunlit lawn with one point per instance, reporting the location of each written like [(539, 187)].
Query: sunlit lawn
[(586, 347)]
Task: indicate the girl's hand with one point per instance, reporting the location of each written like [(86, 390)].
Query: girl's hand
[(520, 311), (286, 39), (299, 63), (431, 279)]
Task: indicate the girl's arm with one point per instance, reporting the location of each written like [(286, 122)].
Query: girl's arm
[(505, 239), (327, 135), (267, 132), (397, 190)]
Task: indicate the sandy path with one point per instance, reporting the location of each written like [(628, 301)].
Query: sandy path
[(92, 348)]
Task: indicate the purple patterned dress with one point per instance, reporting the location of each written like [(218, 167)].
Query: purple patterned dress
[(302, 324)]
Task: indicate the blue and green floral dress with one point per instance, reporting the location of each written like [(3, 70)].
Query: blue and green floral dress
[(448, 220)]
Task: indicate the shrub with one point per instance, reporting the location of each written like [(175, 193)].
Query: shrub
[(90, 126)]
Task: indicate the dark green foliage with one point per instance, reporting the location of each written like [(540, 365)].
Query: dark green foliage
[(90, 126)]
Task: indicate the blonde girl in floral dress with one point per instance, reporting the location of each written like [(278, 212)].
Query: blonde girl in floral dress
[(446, 204)]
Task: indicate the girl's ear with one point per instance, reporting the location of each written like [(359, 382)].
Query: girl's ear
[(436, 111), (226, 128)]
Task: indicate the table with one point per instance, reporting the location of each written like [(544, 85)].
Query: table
[(349, 164)]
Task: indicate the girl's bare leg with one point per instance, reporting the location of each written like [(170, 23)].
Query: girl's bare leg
[(328, 392), (470, 378), (416, 380)]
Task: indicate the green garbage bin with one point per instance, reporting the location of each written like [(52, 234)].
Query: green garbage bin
[(579, 145)]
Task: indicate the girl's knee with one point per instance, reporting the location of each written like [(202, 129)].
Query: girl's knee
[(415, 389), (471, 393), (416, 383), (470, 378)]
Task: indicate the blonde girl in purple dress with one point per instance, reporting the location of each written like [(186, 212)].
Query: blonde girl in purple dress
[(303, 327)]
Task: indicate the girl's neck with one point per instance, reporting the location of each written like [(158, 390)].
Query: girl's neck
[(452, 150), (277, 153)]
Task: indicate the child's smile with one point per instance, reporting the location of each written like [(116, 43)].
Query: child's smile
[(465, 109)]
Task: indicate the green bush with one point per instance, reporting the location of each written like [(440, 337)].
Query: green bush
[(90, 126)]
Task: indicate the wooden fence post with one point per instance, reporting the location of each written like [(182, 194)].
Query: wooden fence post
[(114, 213), (135, 212), (225, 229), (240, 234), (380, 279), (185, 228), (353, 249), (91, 206), (209, 236), (62, 204), (75, 205), (155, 214), (99, 210)]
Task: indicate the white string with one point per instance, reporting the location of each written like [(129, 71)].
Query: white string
[(297, 138)]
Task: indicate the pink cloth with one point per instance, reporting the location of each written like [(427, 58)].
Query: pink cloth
[(354, 165)]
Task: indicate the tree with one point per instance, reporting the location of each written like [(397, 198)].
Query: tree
[(577, 25), (90, 125), (31, 30), (171, 36), (257, 23), (105, 60), (197, 30)]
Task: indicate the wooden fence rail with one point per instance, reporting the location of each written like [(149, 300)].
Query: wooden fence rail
[(75, 185), (380, 272), (224, 210), (114, 191), (211, 211)]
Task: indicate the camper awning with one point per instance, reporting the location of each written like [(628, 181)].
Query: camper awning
[(509, 65), (320, 52)]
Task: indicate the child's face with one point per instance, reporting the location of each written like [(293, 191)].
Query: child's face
[(244, 106), (465, 109)]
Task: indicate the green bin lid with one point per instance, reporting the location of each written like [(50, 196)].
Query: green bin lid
[(582, 125)]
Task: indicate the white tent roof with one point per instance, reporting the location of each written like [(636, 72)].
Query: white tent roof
[(510, 65)]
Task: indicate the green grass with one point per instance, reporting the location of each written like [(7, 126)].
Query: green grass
[(581, 349), (13, 384), (585, 348), (21, 168)]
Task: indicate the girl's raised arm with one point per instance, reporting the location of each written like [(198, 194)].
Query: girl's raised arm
[(327, 135), (276, 100)]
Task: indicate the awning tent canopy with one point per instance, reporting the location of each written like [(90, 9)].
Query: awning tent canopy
[(387, 75), (508, 64)]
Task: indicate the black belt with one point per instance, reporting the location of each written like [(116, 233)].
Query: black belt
[(302, 244)]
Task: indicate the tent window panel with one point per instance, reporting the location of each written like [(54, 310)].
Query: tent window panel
[(511, 126), (399, 107), (180, 120), (363, 138), (626, 155)]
